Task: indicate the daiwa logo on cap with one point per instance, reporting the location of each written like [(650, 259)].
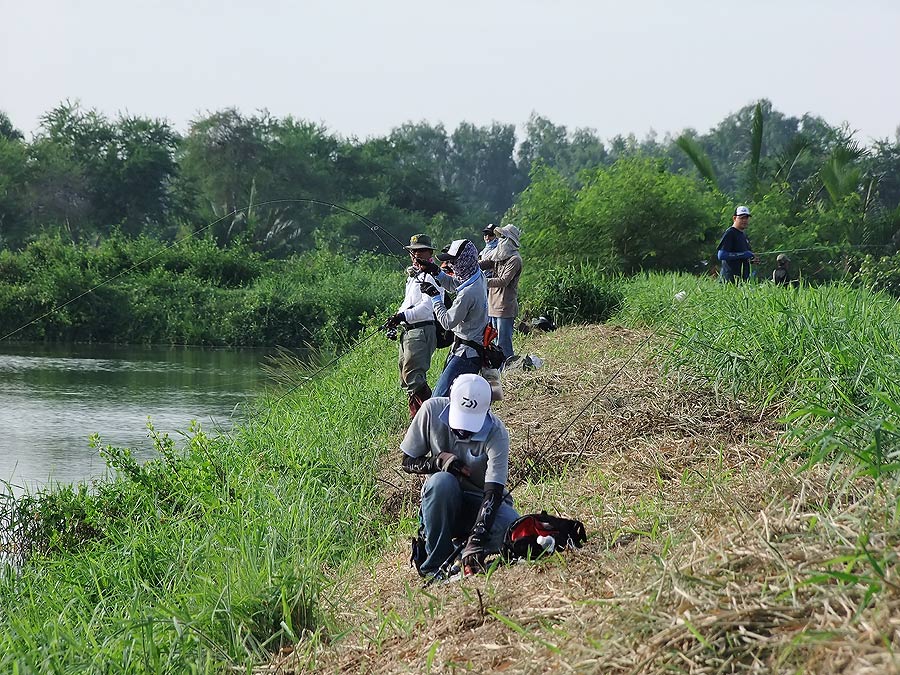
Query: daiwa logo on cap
[(470, 398)]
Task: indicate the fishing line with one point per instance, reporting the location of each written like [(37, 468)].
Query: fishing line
[(372, 225), (825, 247), (603, 388)]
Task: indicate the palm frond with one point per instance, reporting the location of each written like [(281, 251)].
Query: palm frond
[(797, 148), (698, 156), (756, 139)]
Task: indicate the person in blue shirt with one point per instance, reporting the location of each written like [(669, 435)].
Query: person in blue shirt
[(734, 252)]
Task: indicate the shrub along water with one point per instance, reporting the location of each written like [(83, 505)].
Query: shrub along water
[(214, 554), (146, 291)]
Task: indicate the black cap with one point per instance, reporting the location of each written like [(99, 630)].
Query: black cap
[(489, 229)]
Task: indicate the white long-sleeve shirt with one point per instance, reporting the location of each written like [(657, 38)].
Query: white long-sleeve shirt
[(416, 305)]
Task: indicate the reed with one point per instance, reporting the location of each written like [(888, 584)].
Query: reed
[(827, 356)]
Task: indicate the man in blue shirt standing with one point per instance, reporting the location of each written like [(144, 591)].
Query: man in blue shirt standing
[(734, 252)]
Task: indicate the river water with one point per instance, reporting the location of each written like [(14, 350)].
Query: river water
[(53, 397)]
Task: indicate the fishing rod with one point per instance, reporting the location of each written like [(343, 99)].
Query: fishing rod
[(444, 571), (369, 223)]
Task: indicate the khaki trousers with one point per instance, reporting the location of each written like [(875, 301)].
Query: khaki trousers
[(416, 349)]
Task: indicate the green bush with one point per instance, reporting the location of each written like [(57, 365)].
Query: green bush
[(147, 291), (572, 294), (879, 274)]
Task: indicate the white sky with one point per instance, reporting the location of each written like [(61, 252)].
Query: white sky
[(362, 67)]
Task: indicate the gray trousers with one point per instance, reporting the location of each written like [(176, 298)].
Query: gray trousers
[(416, 349)]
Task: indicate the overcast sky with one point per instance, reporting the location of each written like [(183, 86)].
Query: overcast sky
[(364, 67)]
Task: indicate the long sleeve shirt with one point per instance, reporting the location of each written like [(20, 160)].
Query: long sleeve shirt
[(416, 305), (468, 316), (503, 286)]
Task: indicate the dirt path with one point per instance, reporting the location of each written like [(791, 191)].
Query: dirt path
[(704, 556)]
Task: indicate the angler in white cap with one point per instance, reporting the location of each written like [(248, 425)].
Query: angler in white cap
[(463, 448), (733, 251)]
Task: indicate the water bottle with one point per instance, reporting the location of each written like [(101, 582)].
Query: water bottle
[(547, 543)]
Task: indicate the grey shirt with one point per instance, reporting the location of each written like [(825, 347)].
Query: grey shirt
[(468, 315), (486, 453)]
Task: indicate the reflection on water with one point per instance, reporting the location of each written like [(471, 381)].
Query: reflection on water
[(53, 397)]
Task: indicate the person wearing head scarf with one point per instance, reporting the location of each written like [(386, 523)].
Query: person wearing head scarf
[(490, 242), (467, 317), (505, 265)]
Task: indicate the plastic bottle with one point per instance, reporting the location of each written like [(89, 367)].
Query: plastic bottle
[(548, 543)]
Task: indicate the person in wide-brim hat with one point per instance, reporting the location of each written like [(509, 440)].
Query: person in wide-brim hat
[(418, 340), (505, 267), (419, 242)]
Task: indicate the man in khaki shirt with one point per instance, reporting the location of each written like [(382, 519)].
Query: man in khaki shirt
[(505, 265)]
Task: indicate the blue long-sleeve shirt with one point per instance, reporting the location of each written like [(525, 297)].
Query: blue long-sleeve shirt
[(732, 253)]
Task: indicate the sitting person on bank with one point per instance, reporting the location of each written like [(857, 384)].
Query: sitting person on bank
[(463, 448), (467, 317)]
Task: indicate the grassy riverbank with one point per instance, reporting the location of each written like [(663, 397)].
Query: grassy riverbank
[(677, 433), (723, 453), (214, 555)]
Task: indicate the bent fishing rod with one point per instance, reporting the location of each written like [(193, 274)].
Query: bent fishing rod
[(374, 227)]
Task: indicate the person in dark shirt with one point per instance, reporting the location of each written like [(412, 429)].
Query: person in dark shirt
[(734, 252), (782, 275)]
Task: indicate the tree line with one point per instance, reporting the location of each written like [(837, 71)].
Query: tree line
[(627, 204)]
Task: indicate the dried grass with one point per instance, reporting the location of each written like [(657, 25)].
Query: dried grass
[(704, 556)]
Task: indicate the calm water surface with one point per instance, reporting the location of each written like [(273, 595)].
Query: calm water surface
[(53, 397)]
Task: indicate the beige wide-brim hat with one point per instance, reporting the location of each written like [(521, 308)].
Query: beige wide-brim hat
[(511, 232)]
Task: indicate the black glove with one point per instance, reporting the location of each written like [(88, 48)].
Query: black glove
[(428, 266), (447, 461), (395, 320), (429, 288), (473, 555)]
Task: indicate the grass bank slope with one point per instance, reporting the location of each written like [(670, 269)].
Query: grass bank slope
[(729, 531), (212, 556)]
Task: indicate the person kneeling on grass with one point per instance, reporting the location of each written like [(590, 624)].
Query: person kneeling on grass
[(463, 448)]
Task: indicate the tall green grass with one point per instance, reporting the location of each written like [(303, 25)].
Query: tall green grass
[(192, 292), (216, 553), (829, 355)]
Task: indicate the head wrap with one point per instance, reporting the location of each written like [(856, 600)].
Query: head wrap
[(466, 264)]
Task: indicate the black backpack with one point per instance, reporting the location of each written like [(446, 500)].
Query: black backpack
[(556, 534)]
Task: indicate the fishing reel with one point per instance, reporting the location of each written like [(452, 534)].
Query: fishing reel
[(390, 332)]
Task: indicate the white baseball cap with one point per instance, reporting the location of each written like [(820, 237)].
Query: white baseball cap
[(742, 211), (453, 250), (470, 399)]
